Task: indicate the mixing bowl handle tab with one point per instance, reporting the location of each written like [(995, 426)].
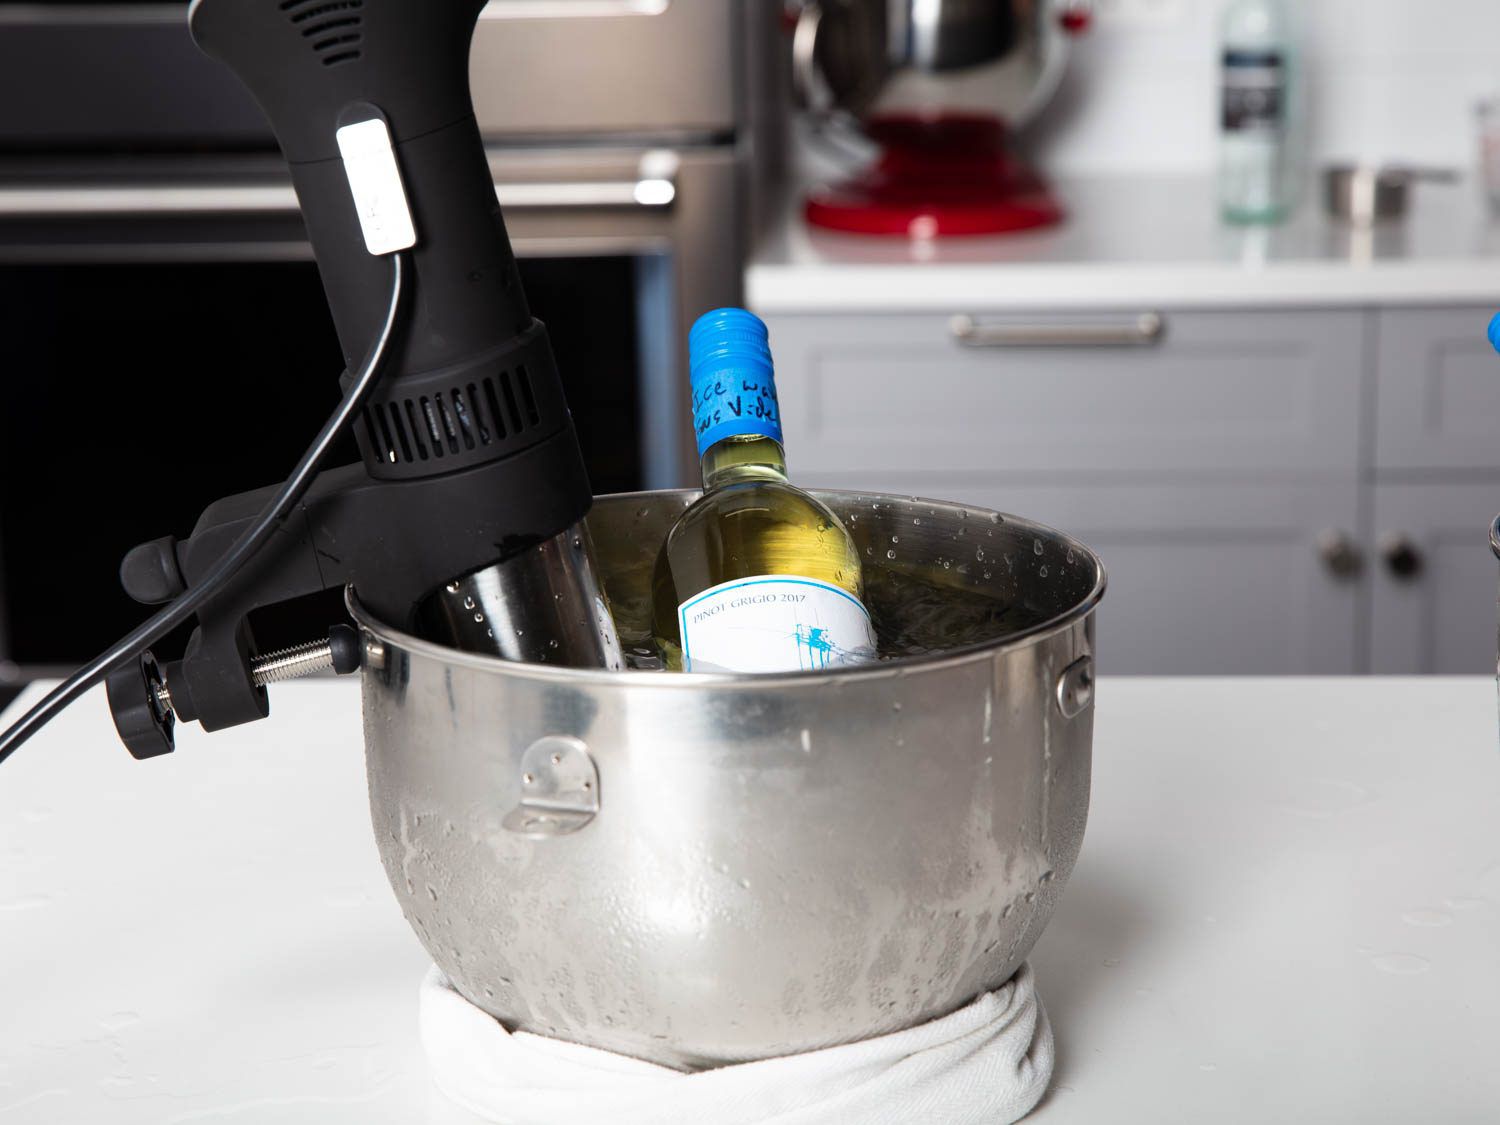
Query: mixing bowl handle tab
[(1075, 687), (559, 789)]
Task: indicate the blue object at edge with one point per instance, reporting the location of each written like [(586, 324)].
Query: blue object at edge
[(733, 378), (1495, 332)]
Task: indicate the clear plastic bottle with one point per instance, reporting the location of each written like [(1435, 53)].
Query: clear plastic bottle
[(1255, 168), (757, 575)]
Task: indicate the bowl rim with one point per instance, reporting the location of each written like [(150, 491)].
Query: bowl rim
[(635, 677)]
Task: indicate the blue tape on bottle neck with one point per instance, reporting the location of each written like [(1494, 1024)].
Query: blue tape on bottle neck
[(733, 378)]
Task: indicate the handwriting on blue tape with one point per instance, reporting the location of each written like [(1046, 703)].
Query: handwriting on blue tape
[(729, 399)]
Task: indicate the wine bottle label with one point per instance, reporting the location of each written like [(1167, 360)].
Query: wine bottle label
[(1254, 91), (774, 623)]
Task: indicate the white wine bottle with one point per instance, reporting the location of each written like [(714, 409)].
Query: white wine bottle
[(756, 576)]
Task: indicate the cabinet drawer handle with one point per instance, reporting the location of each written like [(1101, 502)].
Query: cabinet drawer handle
[(1340, 554), (1143, 331)]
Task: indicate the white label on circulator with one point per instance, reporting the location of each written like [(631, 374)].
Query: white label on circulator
[(774, 623), (375, 182)]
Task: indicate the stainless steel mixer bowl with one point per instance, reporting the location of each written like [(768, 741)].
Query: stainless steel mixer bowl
[(702, 869), (865, 58)]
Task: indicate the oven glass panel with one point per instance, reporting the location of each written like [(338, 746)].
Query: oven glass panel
[(135, 395)]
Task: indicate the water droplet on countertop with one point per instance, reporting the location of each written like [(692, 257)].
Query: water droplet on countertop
[(806, 741), (1036, 545), (896, 705), (1427, 918), (1488, 885), (890, 554), (1111, 962)]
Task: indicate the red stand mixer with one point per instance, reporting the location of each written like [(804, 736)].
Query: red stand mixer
[(941, 86)]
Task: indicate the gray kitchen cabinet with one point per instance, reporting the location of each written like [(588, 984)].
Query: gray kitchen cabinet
[(1051, 394), (1433, 578), (1218, 579), (1437, 390), (1272, 491)]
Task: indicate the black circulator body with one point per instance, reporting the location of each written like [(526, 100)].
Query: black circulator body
[(468, 451)]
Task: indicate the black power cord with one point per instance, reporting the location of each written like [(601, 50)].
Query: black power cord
[(225, 570)]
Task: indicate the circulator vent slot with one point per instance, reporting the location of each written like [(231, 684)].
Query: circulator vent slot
[(331, 27), (452, 422)]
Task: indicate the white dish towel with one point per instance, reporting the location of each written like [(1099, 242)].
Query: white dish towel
[(985, 1064)]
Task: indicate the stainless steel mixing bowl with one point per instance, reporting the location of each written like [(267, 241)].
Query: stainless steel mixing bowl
[(873, 58), (701, 869)]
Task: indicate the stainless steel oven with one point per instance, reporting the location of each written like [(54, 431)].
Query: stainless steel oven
[(153, 264)]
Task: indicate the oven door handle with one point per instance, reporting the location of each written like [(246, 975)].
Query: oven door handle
[(651, 191), (571, 9)]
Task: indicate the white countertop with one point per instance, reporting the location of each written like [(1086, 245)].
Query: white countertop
[(1139, 244), (1287, 909)]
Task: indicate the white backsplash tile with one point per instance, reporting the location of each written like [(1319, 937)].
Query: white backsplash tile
[(1384, 79)]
